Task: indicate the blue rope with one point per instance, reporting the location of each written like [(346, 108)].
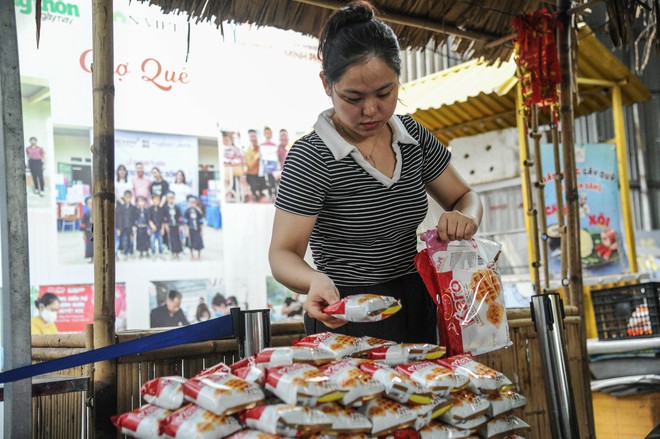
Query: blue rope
[(210, 330)]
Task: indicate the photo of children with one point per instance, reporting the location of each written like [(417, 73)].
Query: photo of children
[(252, 169), (283, 303)]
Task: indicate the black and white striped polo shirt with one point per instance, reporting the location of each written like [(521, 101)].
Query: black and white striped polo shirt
[(366, 222)]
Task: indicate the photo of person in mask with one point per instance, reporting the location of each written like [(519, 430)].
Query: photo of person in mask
[(48, 306)]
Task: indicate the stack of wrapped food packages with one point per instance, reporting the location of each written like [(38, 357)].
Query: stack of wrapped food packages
[(331, 385)]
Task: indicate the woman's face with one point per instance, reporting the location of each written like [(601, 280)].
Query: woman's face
[(179, 177), (156, 173), (121, 172), (365, 97)]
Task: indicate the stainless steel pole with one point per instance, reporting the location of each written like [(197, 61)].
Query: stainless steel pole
[(548, 316), (14, 232), (252, 330)]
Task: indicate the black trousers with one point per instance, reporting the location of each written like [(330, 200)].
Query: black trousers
[(415, 322), (37, 171)]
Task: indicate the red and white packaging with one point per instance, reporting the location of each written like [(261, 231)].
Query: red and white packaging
[(473, 424), (220, 367), (141, 423), (246, 369), (286, 356), (222, 393), (504, 402), (363, 308), (193, 422), (404, 433), (365, 344), (503, 426), (164, 392), (483, 379), (358, 385), (398, 387), (387, 416), (465, 405), (287, 420), (428, 412), (254, 434), (438, 379), (301, 384), (406, 352), (463, 281), (345, 421), (436, 430), (340, 345)]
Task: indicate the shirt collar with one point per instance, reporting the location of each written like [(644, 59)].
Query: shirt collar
[(340, 148)]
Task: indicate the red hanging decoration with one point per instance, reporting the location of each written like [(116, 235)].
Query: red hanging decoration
[(538, 63)]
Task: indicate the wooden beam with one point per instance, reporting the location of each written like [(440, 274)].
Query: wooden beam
[(419, 23), (488, 119)]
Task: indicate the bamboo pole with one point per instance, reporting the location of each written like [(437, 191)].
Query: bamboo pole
[(540, 198), (559, 189), (624, 183), (13, 232), (576, 292), (105, 374)]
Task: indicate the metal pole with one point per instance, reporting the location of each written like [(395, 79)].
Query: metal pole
[(103, 216), (564, 46), (14, 232)]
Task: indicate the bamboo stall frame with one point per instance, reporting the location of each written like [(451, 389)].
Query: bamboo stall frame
[(540, 199)]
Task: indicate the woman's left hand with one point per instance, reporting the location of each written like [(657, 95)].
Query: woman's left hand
[(455, 225)]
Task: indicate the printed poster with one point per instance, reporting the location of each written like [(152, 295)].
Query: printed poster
[(602, 244)]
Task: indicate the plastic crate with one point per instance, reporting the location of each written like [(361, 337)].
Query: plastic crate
[(631, 311)]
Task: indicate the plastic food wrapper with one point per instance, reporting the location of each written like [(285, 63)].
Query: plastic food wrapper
[(366, 343), (503, 427), (358, 385), (287, 420), (301, 384), (437, 430), (428, 412), (254, 434), (438, 379), (482, 378), (406, 352), (362, 308), (465, 405), (472, 425), (142, 423), (193, 422), (164, 392), (220, 367), (222, 393), (505, 402), (462, 278), (340, 345), (398, 387), (404, 433), (246, 369), (387, 416), (286, 356), (346, 420)]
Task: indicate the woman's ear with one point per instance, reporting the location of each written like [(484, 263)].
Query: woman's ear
[(326, 85)]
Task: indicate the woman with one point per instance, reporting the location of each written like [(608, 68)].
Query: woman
[(159, 186), (122, 184), (35, 155), (181, 190), (48, 306), (355, 188)]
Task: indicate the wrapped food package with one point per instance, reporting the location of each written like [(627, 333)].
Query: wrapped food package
[(504, 402), (406, 352), (435, 377), (357, 385), (362, 308), (365, 344), (398, 387), (345, 421), (387, 416), (340, 345), (141, 423), (465, 405), (436, 430), (254, 434), (246, 369), (222, 393), (220, 367), (404, 433), (301, 384), (164, 392), (473, 424), (462, 278), (428, 412), (287, 420), (483, 379), (503, 426), (286, 356), (193, 422)]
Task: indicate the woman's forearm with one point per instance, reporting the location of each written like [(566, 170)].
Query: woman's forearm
[(469, 204), (291, 270)]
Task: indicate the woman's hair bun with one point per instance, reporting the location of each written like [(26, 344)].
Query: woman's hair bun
[(356, 12)]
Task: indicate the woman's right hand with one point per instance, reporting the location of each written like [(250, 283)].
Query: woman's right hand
[(322, 292)]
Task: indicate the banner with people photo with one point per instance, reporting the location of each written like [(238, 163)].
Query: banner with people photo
[(602, 244)]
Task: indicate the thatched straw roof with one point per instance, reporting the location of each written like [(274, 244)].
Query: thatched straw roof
[(480, 27)]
